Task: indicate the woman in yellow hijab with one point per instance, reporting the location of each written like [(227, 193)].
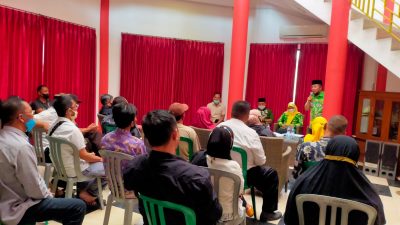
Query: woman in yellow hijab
[(318, 128), (291, 117)]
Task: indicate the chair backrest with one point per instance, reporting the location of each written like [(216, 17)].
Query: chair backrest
[(57, 160), (293, 144), (273, 149), (190, 147), (283, 173), (243, 155), (113, 170), (100, 117), (345, 205), (203, 135), (38, 134), (150, 205), (216, 176)]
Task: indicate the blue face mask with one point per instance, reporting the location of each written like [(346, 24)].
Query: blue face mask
[(30, 124)]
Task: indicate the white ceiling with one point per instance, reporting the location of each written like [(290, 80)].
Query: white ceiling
[(285, 6)]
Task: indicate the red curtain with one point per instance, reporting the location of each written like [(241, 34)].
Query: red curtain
[(70, 64), (271, 75), (21, 45), (312, 66), (354, 71), (158, 71)]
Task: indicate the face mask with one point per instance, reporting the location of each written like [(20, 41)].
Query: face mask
[(291, 110), (216, 102), (30, 124), (73, 118), (46, 96), (261, 107)]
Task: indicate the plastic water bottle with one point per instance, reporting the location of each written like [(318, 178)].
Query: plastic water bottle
[(289, 133)]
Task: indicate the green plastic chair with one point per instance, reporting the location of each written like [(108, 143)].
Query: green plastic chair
[(190, 147), (309, 164), (109, 128), (243, 155), (150, 205)]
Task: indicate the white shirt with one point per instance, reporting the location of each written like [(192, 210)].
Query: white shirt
[(248, 139), (217, 111), (49, 116), (70, 132), (21, 185), (226, 185)]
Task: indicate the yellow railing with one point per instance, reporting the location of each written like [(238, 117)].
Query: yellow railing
[(390, 23)]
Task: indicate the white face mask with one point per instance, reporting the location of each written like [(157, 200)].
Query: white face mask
[(261, 107), (291, 110), (73, 118)]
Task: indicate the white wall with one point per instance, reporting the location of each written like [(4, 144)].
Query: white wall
[(392, 83), (85, 12), (370, 71), (167, 18)]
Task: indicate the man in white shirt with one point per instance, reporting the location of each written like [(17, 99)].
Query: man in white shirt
[(217, 109), (24, 197), (178, 111), (91, 165), (263, 178)]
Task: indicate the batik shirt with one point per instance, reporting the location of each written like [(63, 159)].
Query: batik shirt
[(123, 141), (307, 152), (266, 114), (297, 120), (317, 105)]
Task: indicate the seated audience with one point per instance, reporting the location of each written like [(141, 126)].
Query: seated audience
[(267, 117), (43, 100), (317, 130), (310, 152), (91, 165), (178, 111), (255, 124), (25, 199), (121, 140), (164, 176), (264, 178), (290, 119), (337, 176), (108, 123), (106, 101), (202, 119), (218, 156), (217, 109)]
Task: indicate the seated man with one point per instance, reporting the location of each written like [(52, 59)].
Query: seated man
[(106, 101), (267, 117), (121, 140), (43, 100), (309, 152), (337, 176), (263, 178), (164, 176), (91, 165), (255, 124), (178, 111), (290, 119), (108, 123), (25, 198)]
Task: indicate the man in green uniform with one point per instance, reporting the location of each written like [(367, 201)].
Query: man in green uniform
[(315, 102), (266, 114)]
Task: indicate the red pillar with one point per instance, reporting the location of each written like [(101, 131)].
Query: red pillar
[(104, 33), (238, 52), (337, 57), (381, 78)]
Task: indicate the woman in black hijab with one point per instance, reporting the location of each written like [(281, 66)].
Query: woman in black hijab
[(336, 176)]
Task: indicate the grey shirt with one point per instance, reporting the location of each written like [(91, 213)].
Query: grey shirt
[(21, 185)]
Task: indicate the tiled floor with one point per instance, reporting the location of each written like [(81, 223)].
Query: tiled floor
[(390, 196)]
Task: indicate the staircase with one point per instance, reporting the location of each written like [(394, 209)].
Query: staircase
[(365, 33)]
